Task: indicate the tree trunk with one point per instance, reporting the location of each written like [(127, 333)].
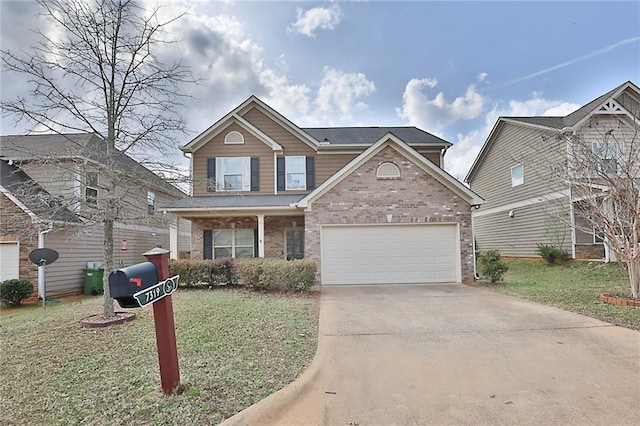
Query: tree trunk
[(634, 277), (108, 267)]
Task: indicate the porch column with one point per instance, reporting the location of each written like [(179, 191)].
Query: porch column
[(174, 235), (261, 235)]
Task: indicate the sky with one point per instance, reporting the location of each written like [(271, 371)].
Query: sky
[(450, 68)]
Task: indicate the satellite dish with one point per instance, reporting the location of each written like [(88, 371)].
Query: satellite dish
[(43, 256)]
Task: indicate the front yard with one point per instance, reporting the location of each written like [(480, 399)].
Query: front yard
[(234, 348), (574, 286)]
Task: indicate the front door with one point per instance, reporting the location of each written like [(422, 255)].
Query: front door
[(294, 243)]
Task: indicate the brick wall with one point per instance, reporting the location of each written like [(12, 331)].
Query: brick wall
[(16, 225), (274, 227), (415, 197)]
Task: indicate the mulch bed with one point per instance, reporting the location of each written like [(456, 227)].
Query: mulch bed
[(102, 321)]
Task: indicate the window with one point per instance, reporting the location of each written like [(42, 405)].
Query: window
[(517, 175), (606, 156), (234, 243), (388, 171), (294, 243), (151, 201), (233, 138), (91, 188), (233, 173), (296, 171)]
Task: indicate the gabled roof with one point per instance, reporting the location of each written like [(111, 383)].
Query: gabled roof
[(31, 197), (403, 148), (370, 135), (569, 122), (85, 146)]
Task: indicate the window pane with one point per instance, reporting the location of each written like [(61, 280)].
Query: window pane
[(244, 237), (233, 165), (296, 181), (295, 164), (222, 238), (517, 175), (219, 253), (233, 182), (244, 252)]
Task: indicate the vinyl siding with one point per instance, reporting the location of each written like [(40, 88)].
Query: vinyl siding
[(519, 235), (252, 147), (512, 145)]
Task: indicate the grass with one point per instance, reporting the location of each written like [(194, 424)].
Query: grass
[(234, 349), (573, 286)]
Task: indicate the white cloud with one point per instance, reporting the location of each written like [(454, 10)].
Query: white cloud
[(482, 76), (434, 114), (326, 18)]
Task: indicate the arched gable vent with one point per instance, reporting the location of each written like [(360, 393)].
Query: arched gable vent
[(233, 137), (388, 170)]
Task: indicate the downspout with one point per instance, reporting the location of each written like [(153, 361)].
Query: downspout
[(41, 271)]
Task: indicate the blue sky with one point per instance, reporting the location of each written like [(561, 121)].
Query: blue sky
[(450, 68)]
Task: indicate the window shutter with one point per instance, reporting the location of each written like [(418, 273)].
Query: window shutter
[(207, 247), (255, 174), (311, 173), (255, 243), (280, 173), (211, 174)]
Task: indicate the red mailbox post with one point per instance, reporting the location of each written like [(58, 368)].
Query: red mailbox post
[(165, 326)]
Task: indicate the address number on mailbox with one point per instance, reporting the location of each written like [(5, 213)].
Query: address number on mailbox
[(153, 294)]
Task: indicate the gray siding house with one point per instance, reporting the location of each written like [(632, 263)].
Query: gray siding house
[(48, 186), (517, 171)]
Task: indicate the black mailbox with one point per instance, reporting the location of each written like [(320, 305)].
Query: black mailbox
[(123, 283)]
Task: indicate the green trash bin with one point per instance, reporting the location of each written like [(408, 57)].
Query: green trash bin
[(93, 281)]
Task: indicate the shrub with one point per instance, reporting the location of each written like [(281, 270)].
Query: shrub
[(14, 291), (249, 270), (275, 274), (195, 273), (552, 254), (492, 266)]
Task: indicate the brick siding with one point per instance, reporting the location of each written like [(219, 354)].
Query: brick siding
[(416, 197)]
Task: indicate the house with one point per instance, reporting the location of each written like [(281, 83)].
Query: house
[(369, 205), (516, 172), (51, 186)]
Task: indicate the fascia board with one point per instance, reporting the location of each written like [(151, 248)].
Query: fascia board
[(485, 147), (258, 133), (594, 112), (19, 203)]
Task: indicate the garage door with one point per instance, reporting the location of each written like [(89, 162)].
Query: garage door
[(390, 254), (9, 261)]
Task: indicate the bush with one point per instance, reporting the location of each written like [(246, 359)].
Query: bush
[(274, 274), (552, 254), (14, 291), (492, 266), (196, 273)]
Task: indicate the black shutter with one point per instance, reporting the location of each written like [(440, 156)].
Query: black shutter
[(207, 244), (311, 173), (211, 174), (280, 173), (255, 243), (255, 174)]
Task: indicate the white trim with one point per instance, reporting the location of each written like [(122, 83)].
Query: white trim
[(18, 203), (286, 172), (418, 159), (524, 203), (228, 141), (260, 236)]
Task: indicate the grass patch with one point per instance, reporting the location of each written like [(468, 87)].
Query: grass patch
[(573, 286), (234, 348)]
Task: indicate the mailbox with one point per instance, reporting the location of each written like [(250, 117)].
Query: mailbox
[(123, 283)]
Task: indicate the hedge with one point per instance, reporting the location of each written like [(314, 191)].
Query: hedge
[(258, 274)]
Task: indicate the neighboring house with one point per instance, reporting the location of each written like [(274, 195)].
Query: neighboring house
[(369, 205), (51, 186), (527, 204)]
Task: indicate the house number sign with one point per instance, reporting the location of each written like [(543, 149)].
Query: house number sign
[(157, 292)]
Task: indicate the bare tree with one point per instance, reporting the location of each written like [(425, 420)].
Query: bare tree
[(99, 72), (603, 171)]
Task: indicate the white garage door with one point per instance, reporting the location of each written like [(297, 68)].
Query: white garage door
[(390, 254), (9, 260)]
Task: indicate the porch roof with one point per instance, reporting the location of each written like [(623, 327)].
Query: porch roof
[(238, 201)]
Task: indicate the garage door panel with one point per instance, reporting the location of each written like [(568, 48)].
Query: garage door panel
[(385, 254)]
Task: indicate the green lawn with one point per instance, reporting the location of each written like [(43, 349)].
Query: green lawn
[(574, 286), (234, 349)]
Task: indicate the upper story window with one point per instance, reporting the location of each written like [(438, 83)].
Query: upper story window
[(233, 173), (91, 188), (517, 175), (606, 156), (295, 173), (233, 138), (388, 170), (151, 202)]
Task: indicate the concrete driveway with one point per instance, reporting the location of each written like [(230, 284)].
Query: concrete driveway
[(454, 354)]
